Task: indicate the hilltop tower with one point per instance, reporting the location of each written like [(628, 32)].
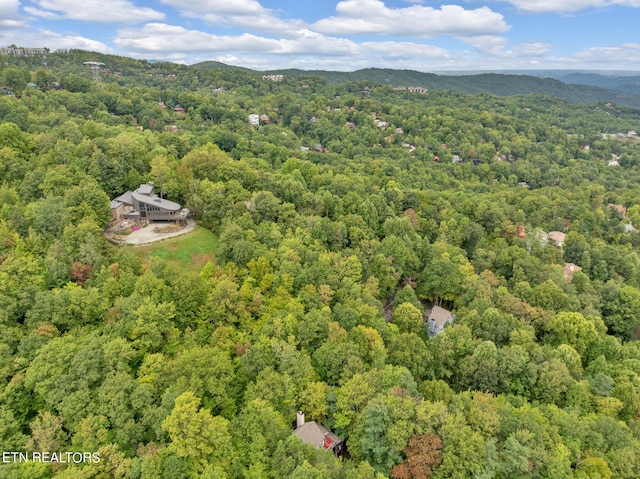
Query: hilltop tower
[(95, 70)]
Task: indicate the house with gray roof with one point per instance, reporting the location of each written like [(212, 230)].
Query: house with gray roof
[(317, 435), (437, 319), (145, 205)]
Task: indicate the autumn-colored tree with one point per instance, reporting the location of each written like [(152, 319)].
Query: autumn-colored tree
[(423, 455)]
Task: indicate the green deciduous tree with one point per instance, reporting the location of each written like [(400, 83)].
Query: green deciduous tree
[(462, 452), (574, 330), (15, 78), (195, 433), (408, 318), (256, 432), (621, 312), (383, 429), (480, 370)]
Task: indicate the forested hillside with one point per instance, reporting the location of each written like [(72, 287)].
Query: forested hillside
[(339, 222), (623, 93), (624, 84)]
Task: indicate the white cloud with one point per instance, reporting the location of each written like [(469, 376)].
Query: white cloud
[(163, 38), (236, 7), (488, 44), (36, 12), (307, 42), (242, 13), (559, 6), (532, 49), (494, 49), (354, 16), (113, 11), (52, 40), (306, 50), (374, 17), (55, 40), (401, 51), (9, 18), (264, 22), (609, 57), (160, 38)]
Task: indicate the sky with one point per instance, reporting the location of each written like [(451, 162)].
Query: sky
[(342, 35)]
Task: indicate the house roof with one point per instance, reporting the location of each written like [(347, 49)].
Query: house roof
[(125, 198), (557, 236), (157, 201), (144, 194), (145, 189), (317, 435), (569, 269), (619, 208), (439, 315)]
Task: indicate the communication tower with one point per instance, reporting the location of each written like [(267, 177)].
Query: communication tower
[(95, 70)]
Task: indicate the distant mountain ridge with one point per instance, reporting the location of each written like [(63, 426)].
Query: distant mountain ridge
[(621, 84), (501, 84)]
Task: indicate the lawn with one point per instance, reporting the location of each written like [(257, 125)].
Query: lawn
[(190, 252)]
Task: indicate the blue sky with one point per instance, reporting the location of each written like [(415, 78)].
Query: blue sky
[(340, 35)]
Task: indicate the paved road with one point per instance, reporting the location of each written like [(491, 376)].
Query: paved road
[(147, 235)]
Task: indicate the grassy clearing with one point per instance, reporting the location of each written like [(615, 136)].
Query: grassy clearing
[(190, 252)]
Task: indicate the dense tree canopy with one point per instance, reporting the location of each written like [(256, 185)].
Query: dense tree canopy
[(335, 236)]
